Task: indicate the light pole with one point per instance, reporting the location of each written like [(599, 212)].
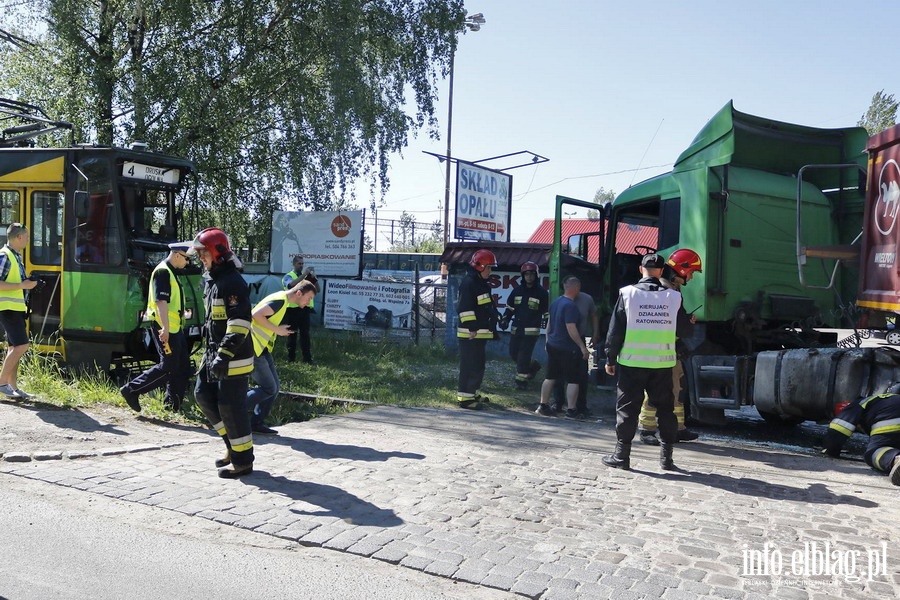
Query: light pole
[(472, 23)]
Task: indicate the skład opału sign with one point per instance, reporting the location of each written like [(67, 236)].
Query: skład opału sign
[(483, 199)]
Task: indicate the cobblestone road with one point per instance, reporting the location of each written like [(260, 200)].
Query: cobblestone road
[(515, 502)]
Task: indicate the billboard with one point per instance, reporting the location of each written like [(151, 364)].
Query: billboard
[(330, 241), (483, 200), (363, 304)]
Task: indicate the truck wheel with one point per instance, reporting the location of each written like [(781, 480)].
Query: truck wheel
[(776, 419), (892, 338)]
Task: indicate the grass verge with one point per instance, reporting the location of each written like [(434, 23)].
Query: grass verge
[(384, 372)]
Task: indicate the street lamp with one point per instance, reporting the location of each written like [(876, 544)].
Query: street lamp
[(472, 23)]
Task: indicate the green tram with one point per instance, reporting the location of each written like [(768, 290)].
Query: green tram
[(100, 219)]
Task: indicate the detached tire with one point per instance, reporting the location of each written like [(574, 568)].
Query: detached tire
[(776, 419)]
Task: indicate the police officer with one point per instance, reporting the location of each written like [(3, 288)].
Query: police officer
[(477, 322), (222, 382), (526, 308), (640, 347), (165, 301), (298, 317), (268, 315), (879, 418), (679, 270)]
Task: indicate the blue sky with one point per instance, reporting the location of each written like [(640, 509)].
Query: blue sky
[(604, 88)]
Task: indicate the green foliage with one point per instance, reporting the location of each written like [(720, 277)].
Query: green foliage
[(602, 197), (882, 113), (412, 239), (281, 105)]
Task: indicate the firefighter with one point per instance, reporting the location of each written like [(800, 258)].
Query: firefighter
[(222, 381), (477, 323), (879, 418), (640, 348), (679, 270), (526, 308), (165, 301)]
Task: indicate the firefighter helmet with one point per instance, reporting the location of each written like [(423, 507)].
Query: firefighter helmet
[(529, 266), (482, 259), (215, 242), (684, 261)]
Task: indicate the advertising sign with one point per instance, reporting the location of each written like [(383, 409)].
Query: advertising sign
[(329, 241), (483, 199), (362, 304)]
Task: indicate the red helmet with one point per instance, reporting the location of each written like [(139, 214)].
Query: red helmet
[(529, 266), (482, 259), (684, 261), (216, 242)]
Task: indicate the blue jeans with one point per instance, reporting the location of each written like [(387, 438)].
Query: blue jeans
[(262, 397)]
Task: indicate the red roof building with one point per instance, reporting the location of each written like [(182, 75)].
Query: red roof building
[(627, 236)]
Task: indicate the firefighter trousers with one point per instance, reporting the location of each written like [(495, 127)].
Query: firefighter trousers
[(521, 347), (224, 403), (472, 356)]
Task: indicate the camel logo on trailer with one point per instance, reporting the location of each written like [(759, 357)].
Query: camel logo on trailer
[(888, 204), (340, 226)]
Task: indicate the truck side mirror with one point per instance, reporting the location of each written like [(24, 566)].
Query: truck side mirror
[(573, 244)]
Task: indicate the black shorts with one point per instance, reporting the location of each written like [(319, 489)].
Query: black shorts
[(13, 322), (564, 364)]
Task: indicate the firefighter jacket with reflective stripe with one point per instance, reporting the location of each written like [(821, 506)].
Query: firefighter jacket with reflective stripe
[(874, 416), (13, 299), (174, 301), (475, 307), (227, 300), (264, 338), (292, 276), (645, 322), (527, 307)]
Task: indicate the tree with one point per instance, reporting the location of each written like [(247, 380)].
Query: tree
[(602, 197), (882, 113), (414, 237), (279, 103)]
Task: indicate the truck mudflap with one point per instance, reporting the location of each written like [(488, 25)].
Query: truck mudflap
[(805, 384)]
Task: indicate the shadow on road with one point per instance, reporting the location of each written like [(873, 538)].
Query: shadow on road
[(334, 501), (817, 493), (317, 449)]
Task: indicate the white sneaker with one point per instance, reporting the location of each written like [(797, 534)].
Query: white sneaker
[(8, 391), (22, 395)]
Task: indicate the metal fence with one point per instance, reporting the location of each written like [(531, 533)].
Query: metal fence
[(428, 324)]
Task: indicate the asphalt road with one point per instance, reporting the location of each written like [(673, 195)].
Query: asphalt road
[(63, 543)]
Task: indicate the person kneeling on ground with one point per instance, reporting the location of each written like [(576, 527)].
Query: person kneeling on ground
[(878, 417)]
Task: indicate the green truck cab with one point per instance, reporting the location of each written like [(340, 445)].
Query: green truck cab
[(775, 211)]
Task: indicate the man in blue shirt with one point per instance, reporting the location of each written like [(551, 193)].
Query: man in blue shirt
[(566, 350)]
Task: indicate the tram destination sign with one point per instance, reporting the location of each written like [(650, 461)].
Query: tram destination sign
[(168, 175)]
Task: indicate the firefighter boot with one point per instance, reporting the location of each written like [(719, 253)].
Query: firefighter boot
[(665, 457), (895, 471), (224, 461), (649, 437), (533, 368), (620, 458), (236, 472)]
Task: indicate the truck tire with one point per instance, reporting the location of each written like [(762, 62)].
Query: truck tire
[(780, 421)]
